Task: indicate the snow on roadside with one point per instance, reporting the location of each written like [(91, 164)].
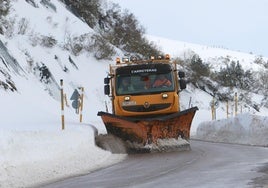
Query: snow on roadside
[(243, 129), (30, 158)]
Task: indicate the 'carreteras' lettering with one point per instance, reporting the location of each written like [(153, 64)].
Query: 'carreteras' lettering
[(143, 71)]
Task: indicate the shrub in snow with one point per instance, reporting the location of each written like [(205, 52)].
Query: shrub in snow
[(48, 41), (6, 81), (23, 26), (102, 49)]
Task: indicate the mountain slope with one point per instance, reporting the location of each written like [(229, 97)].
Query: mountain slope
[(37, 55)]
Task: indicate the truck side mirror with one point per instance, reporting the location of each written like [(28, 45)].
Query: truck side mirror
[(106, 80), (107, 89), (182, 84), (181, 74)]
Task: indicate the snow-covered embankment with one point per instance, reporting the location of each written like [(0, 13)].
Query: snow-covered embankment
[(243, 129)]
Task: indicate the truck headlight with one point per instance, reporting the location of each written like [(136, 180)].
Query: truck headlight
[(127, 98), (164, 95)]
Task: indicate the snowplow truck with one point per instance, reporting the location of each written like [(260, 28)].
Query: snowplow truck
[(145, 100)]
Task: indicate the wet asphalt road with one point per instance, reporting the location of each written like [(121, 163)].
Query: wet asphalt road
[(205, 165)]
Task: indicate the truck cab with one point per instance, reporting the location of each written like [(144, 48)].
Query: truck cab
[(144, 88)]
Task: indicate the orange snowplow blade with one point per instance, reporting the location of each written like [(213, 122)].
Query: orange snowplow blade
[(148, 130)]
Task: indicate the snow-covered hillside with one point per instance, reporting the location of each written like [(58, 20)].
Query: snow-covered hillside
[(33, 147), (212, 54)]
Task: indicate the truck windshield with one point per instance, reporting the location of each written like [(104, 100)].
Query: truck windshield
[(144, 83)]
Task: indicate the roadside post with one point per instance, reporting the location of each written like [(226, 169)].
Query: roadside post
[(65, 99), (81, 103), (212, 105), (62, 105), (236, 101), (227, 109)]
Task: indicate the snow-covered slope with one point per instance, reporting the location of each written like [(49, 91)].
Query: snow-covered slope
[(207, 53), (33, 147), (32, 54)]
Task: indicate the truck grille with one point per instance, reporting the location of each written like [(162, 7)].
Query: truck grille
[(141, 108)]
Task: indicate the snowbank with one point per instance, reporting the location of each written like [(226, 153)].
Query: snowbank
[(243, 129), (34, 157)]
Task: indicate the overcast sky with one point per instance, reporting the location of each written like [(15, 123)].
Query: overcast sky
[(240, 25)]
